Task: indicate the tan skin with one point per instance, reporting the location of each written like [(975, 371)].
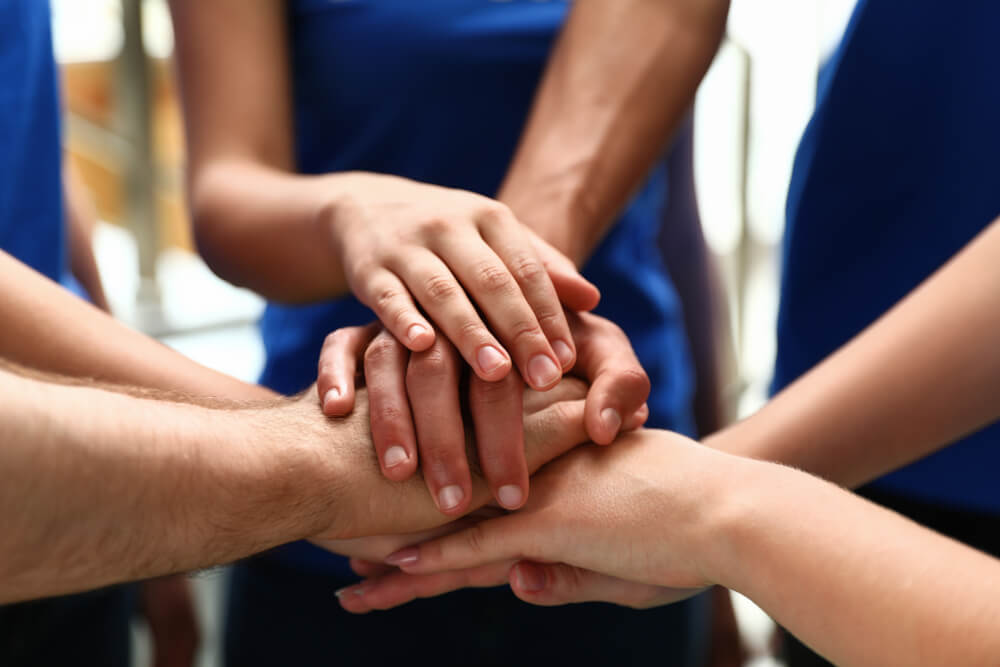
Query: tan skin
[(255, 218), (396, 244), (922, 376)]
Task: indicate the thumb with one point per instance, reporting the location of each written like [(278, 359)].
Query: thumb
[(338, 363), (574, 291)]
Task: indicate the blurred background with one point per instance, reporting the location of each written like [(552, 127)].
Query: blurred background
[(124, 133)]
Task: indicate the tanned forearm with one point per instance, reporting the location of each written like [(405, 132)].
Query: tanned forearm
[(924, 375), (101, 487), (618, 84), (858, 583), (48, 329)]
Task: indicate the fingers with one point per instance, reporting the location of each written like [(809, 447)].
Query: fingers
[(432, 382), (388, 297), (551, 584), (490, 283), (397, 588), (367, 568), (391, 419), (619, 386), (553, 431), (513, 246), (445, 300), (506, 538), (496, 414), (575, 291), (338, 361)]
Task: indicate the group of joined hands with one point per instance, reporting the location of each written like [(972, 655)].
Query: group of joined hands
[(597, 503)]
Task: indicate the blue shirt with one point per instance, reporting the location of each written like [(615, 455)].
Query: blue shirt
[(896, 172), (439, 91), (31, 204)]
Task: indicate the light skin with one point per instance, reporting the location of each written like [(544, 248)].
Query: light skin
[(417, 404), (396, 244), (922, 376), (106, 484), (602, 117)]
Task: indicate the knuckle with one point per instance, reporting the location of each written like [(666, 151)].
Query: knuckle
[(476, 539), (441, 288), (388, 412), (385, 298), (381, 350), (634, 381), (528, 269), (523, 332), (494, 278)]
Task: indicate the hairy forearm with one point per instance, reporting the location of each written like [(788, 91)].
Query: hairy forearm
[(924, 375), (48, 329), (618, 84), (101, 487), (858, 583)]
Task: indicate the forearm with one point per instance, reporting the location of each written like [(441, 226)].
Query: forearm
[(100, 487), (858, 583), (47, 328), (618, 84), (270, 230), (924, 375)]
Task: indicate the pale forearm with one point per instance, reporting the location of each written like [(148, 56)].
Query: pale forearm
[(100, 487), (270, 230), (619, 82), (924, 375), (48, 329), (858, 583)]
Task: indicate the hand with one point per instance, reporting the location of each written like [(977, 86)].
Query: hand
[(404, 244), (417, 415), (371, 505), (634, 512)]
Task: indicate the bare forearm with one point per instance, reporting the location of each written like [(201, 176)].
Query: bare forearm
[(858, 583), (270, 230), (100, 487), (619, 82), (924, 375), (48, 329)]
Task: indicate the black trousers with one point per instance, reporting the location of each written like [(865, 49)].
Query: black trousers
[(279, 616), (977, 529), (85, 629)]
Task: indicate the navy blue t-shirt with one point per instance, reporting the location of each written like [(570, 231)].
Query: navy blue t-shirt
[(31, 204), (439, 91), (897, 171)]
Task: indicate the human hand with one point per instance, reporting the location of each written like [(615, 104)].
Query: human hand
[(404, 244), (630, 524), (417, 415), (371, 505)]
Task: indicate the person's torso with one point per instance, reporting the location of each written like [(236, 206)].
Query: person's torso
[(895, 174), (31, 206), (438, 91)]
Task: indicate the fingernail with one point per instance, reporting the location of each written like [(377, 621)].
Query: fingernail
[(407, 556), (394, 456), (510, 496), (529, 578), (450, 497), (612, 420), (543, 371), (331, 395), (415, 331), (353, 590), (563, 353), (490, 358)]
